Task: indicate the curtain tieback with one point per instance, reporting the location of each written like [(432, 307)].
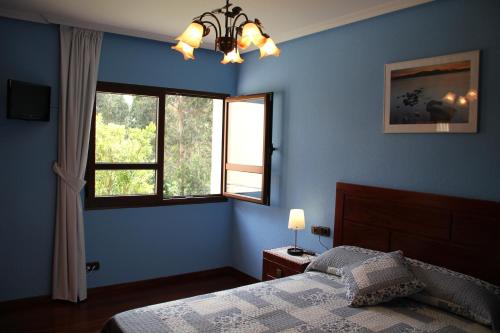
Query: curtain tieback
[(75, 183)]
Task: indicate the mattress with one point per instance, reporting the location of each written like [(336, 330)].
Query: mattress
[(311, 302)]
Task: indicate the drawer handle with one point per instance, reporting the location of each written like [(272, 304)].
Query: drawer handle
[(279, 272)]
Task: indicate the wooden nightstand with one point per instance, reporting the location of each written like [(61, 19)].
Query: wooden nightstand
[(277, 263)]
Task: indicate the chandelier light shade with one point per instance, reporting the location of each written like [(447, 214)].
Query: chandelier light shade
[(269, 48), (251, 33), (233, 57), (237, 33), (186, 49), (192, 35)]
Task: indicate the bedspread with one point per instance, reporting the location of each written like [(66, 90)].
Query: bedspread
[(311, 302)]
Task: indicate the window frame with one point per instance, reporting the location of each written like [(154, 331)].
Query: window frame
[(128, 201), (267, 150)]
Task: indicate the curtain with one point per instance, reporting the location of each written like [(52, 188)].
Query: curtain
[(80, 52)]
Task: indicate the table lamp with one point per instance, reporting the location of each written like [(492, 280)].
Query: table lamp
[(296, 221)]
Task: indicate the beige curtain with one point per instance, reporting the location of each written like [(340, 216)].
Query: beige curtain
[(80, 52)]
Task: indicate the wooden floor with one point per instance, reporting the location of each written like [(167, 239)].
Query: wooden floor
[(43, 315)]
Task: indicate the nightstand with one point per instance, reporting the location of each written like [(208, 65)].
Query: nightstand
[(277, 263)]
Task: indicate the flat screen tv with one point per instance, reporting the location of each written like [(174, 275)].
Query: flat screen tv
[(28, 101)]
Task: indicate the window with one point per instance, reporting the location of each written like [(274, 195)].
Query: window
[(157, 146), (247, 168), (193, 146)]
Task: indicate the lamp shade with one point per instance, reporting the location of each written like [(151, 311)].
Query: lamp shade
[(296, 221), (185, 49), (244, 42), (233, 57), (251, 33), (269, 49), (192, 35)]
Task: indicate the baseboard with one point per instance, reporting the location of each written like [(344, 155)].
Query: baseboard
[(243, 276), (24, 303), (193, 276)]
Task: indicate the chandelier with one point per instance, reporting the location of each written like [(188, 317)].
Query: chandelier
[(237, 33)]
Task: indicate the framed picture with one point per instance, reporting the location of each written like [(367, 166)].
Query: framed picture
[(432, 95)]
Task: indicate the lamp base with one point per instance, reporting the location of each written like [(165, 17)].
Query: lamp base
[(295, 251)]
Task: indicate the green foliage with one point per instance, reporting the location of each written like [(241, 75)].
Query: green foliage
[(115, 109), (124, 182), (118, 143), (188, 145), (126, 133), (122, 144)]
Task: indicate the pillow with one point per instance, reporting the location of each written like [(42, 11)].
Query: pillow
[(332, 260), (457, 293), (379, 279)]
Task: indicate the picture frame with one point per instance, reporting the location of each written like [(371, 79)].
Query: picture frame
[(432, 95)]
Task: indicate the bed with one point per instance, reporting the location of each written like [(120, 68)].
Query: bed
[(460, 234)]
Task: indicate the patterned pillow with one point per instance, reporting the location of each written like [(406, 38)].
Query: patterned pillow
[(334, 259), (379, 279), (458, 293)]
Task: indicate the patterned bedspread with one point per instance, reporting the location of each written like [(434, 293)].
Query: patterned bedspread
[(312, 302)]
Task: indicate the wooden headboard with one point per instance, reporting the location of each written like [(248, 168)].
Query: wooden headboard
[(460, 234)]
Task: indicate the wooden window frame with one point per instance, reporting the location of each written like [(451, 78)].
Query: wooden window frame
[(93, 202), (265, 169)]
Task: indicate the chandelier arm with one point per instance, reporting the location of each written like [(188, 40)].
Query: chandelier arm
[(215, 28), (226, 18), (236, 19), (200, 18)]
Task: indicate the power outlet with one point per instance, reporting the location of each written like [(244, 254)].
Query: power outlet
[(320, 230), (93, 266)]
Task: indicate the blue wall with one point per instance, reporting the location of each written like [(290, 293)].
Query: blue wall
[(131, 244), (30, 52), (330, 120)]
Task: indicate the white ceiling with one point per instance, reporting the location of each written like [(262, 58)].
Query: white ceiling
[(164, 19)]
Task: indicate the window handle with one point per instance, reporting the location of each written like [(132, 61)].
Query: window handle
[(273, 148)]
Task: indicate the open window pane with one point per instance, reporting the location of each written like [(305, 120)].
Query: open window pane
[(245, 133), (193, 146), (124, 182), (244, 183), (126, 128), (248, 148)]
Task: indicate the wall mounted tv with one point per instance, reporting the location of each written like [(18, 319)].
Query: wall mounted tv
[(28, 101)]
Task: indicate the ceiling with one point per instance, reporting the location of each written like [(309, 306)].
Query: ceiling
[(164, 19)]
